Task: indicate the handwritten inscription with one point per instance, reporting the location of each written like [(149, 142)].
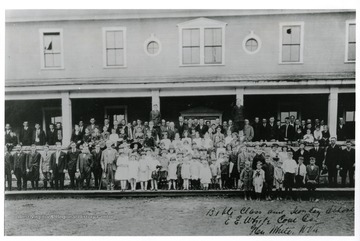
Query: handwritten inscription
[(296, 221)]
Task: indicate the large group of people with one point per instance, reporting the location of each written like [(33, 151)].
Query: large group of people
[(189, 154)]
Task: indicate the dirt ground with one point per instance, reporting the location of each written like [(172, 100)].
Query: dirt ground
[(178, 216)]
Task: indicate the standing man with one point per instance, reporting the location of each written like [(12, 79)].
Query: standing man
[(332, 161), (155, 115), (8, 168), (33, 167), (72, 157), (8, 137), (264, 130), (318, 153), (108, 164), (38, 137), (348, 164), (92, 125), (248, 131), (58, 166), (107, 125), (287, 130), (96, 167), (81, 127), (181, 126), (83, 166), (25, 136), (20, 168), (272, 130), (257, 126), (59, 132), (51, 135), (45, 166), (341, 130), (238, 115), (202, 128)]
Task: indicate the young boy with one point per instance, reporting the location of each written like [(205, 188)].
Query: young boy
[(289, 166), (300, 175), (269, 177), (215, 173), (246, 177), (224, 167), (312, 178), (278, 177)]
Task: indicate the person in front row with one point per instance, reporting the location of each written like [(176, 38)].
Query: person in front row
[(300, 176), (289, 166), (108, 164), (72, 158), (33, 167), (20, 168), (246, 177), (8, 168), (96, 167), (58, 167), (312, 179), (83, 166), (258, 180), (45, 166)]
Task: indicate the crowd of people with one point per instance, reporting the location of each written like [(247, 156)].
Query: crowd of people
[(191, 154)]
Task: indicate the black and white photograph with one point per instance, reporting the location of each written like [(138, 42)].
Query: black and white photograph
[(179, 122)]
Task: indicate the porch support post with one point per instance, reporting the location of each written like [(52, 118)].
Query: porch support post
[(240, 94), (66, 118), (155, 98), (333, 110)]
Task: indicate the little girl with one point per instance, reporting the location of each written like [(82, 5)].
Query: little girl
[(172, 173), (207, 142), (143, 172), (133, 170), (122, 169), (258, 180), (246, 177), (205, 173), (228, 137), (195, 167), (177, 143), (185, 172)]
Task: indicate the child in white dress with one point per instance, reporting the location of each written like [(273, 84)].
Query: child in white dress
[(258, 180), (122, 169), (205, 173), (143, 172), (133, 170), (185, 172)]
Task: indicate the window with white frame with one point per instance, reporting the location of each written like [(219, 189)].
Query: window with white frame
[(51, 49), (114, 47), (202, 42), (350, 45), (291, 42)]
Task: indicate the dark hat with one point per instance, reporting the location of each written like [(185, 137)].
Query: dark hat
[(135, 143)]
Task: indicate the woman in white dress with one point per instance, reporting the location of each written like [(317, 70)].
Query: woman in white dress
[(172, 173), (122, 169), (133, 170)]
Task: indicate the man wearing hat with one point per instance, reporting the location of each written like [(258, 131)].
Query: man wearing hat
[(96, 167), (108, 164)]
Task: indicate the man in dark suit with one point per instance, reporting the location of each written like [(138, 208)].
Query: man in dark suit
[(83, 166), (77, 136), (81, 127), (172, 130), (287, 130), (264, 130), (238, 115), (348, 164), (333, 156), (257, 129), (51, 135), (318, 153), (129, 132), (272, 130), (20, 168), (8, 138), (181, 126), (341, 130), (71, 158), (202, 128), (96, 167), (301, 152), (25, 136), (8, 168), (38, 137), (58, 166), (107, 125)]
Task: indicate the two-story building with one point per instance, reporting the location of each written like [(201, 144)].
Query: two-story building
[(71, 65)]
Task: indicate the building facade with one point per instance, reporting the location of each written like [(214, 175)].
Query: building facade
[(71, 65)]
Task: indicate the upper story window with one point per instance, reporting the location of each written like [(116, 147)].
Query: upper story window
[(51, 46), (350, 44), (291, 43), (114, 50), (202, 42)]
